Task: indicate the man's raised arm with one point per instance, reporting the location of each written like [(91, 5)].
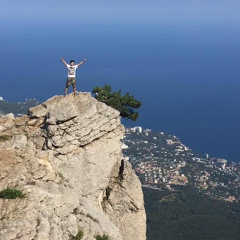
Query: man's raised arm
[(63, 61), (84, 60)]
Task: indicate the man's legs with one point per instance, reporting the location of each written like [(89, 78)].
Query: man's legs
[(68, 83), (75, 90), (74, 87), (65, 91)]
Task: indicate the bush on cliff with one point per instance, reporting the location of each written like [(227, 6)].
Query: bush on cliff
[(10, 193), (104, 237), (79, 236), (5, 138)]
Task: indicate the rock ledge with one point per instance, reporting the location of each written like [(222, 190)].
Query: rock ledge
[(66, 158)]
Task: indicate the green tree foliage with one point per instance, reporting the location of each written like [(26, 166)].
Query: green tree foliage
[(187, 214), (124, 104)]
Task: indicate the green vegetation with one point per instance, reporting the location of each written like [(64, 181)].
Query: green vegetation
[(11, 193), (5, 138), (124, 104), (104, 237), (79, 236), (187, 214)]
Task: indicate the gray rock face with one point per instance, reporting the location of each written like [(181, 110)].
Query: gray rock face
[(66, 158)]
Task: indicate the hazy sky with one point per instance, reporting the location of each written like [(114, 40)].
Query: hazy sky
[(154, 11), (23, 17), (28, 22)]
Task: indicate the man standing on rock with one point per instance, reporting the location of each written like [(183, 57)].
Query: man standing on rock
[(71, 80)]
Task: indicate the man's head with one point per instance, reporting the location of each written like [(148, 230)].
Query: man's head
[(72, 62)]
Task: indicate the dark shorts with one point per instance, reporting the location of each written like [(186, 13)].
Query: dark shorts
[(71, 81)]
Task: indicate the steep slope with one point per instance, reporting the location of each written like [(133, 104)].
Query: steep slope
[(66, 158)]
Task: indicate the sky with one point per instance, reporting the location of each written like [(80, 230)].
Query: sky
[(18, 17), (56, 19), (156, 11)]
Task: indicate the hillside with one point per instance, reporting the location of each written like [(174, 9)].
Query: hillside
[(187, 196), (185, 214)]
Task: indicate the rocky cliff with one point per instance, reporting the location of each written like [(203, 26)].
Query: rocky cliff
[(66, 158)]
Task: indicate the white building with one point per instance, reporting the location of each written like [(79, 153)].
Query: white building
[(137, 129), (169, 141), (1, 98), (124, 146)]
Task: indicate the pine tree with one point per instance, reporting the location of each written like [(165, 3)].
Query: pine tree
[(124, 104)]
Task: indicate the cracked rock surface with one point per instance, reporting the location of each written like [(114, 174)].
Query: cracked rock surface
[(66, 158)]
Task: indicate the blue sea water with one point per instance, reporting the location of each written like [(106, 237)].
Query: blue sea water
[(186, 76)]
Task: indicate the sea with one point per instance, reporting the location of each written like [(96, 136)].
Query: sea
[(187, 76)]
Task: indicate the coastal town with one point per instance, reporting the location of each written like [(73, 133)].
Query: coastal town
[(18, 108), (162, 161)]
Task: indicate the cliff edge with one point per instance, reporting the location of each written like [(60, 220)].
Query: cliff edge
[(66, 158)]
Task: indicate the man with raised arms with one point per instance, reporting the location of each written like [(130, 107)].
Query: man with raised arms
[(71, 80)]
